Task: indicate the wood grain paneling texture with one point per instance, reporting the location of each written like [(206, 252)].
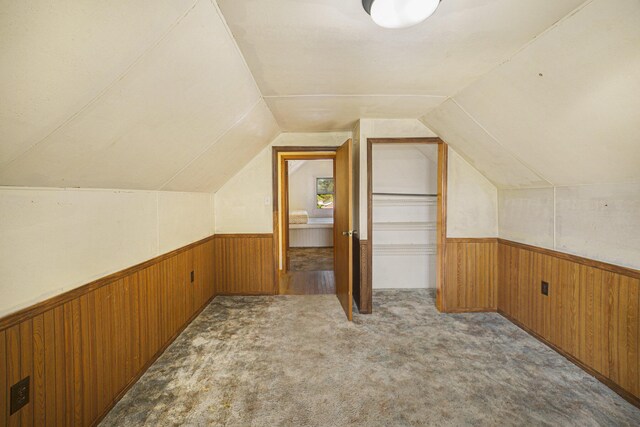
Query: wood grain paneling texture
[(82, 350), (590, 315), (471, 275), (244, 264), (362, 289)]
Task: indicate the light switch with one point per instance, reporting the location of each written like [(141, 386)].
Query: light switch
[(267, 200)]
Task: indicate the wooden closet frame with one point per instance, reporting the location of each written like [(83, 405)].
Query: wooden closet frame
[(441, 211)]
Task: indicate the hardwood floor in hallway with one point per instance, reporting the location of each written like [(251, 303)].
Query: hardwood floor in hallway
[(307, 283), (311, 273)]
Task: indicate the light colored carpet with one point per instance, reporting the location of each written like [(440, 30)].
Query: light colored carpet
[(296, 361)]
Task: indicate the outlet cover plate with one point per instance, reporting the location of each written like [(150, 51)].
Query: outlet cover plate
[(544, 288), (19, 395)]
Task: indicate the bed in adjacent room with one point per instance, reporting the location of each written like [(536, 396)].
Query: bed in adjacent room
[(309, 232)]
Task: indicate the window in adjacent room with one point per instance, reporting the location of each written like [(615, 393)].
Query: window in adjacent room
[(325, 191)]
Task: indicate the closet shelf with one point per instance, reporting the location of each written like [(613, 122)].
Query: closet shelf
[(404, 249), (405, 195), (404, 225)]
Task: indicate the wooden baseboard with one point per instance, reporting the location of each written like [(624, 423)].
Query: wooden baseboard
[(472, 310), (244, 294), (151, 361), (612, 385)]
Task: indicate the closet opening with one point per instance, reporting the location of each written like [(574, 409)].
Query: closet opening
[(313, 221), (407, 213)]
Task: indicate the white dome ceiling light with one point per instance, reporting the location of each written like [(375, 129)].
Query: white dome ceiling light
[(399, 13)]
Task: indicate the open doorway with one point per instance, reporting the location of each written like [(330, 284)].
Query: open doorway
[(309, 189), (332, 198)]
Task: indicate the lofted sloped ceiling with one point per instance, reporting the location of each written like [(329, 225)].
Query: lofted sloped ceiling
[(322, 64), (563, 111), (132, 95), (180, 94)]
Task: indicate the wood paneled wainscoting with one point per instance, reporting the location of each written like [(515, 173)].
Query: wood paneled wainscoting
[(83, 349), (362, 276), (244, 264), (471, 275), (591, 314)]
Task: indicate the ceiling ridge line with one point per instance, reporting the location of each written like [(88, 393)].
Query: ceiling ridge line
[(106, 88), (510, 152), (214, 3), (215, 141), (323, 95), (525, 46)]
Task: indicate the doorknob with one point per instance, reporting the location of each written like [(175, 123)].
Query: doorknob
[(350, 233)]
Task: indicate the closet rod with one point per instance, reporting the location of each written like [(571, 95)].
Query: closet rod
[(405, 194)]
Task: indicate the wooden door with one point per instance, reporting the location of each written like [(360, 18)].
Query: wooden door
[(343, 228)]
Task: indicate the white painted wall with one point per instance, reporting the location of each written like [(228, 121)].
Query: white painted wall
[(244, 203), (599, 221), (54, 240), (302, 187), (404, 168), (527, 216), (472, 201)]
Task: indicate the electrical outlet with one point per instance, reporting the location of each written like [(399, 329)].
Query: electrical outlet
[(193, 277), (544, 288), (19, 395)]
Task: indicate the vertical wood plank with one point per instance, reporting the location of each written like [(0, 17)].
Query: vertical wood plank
[(61, 362), (70, 386), (14, 373), (613, 314), (145, 350), (119, 337), (93, 379), (633, 328), (98, 301), (49, 342), (85, 364), (127, 332), (26, 367), (600, 330), (39, 403), (152, 294), (4, 380), (164, 302), (137, 360), (78, 382), (109, 351), (623, 333)]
